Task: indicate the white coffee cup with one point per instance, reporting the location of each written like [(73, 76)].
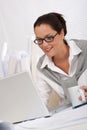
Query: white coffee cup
[(75, 92)]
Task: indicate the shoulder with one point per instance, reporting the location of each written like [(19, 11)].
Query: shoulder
[(40, 61), (81, 43)]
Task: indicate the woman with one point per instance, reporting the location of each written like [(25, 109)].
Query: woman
[(63, 62)]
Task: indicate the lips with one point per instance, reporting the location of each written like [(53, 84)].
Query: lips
[(47, 49)]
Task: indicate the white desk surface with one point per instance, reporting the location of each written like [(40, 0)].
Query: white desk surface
[(82, 126), (70, 119)]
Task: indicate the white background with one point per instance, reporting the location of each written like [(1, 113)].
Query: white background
[(17, 18)]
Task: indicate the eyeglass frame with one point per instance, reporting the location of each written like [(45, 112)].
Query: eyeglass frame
[(44, 39)]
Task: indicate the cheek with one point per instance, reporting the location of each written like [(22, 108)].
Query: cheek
[(55, 45), (40, 47)]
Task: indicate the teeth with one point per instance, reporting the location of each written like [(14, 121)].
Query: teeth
[(48, 49)]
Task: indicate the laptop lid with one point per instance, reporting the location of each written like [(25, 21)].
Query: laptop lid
[(19, 99)]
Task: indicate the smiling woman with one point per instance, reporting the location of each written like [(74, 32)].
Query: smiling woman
[(59, 67)]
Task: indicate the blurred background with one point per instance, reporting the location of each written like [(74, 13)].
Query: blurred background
[(18, 16)]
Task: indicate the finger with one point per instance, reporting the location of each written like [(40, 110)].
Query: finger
[(80, 98), (86, 98), (84, 88)]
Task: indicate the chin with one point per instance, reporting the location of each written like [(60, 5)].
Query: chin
[(49, 55)]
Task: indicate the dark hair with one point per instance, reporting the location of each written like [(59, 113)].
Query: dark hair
[(55, 20)]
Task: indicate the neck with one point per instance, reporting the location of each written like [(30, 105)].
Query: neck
[(62, 60), (63, 56)]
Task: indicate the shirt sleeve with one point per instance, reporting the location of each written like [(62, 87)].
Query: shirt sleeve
[(44, 90), (50, 92)]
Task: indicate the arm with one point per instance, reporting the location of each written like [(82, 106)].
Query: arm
[(48, 95)]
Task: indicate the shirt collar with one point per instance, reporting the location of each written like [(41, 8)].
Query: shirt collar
[(74, 50)]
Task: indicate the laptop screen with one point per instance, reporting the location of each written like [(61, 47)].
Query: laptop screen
[(19, 99)]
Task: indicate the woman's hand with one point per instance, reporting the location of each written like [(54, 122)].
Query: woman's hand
[(85, 92)]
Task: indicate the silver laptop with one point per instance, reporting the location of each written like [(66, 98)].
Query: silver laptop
[(19, 100)]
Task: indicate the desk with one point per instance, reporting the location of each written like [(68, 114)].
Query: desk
[(70, 119), (82, 126)]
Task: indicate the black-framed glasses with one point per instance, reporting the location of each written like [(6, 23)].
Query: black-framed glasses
[(47, 39)]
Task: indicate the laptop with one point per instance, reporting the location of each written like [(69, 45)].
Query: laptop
[(19, 99)]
